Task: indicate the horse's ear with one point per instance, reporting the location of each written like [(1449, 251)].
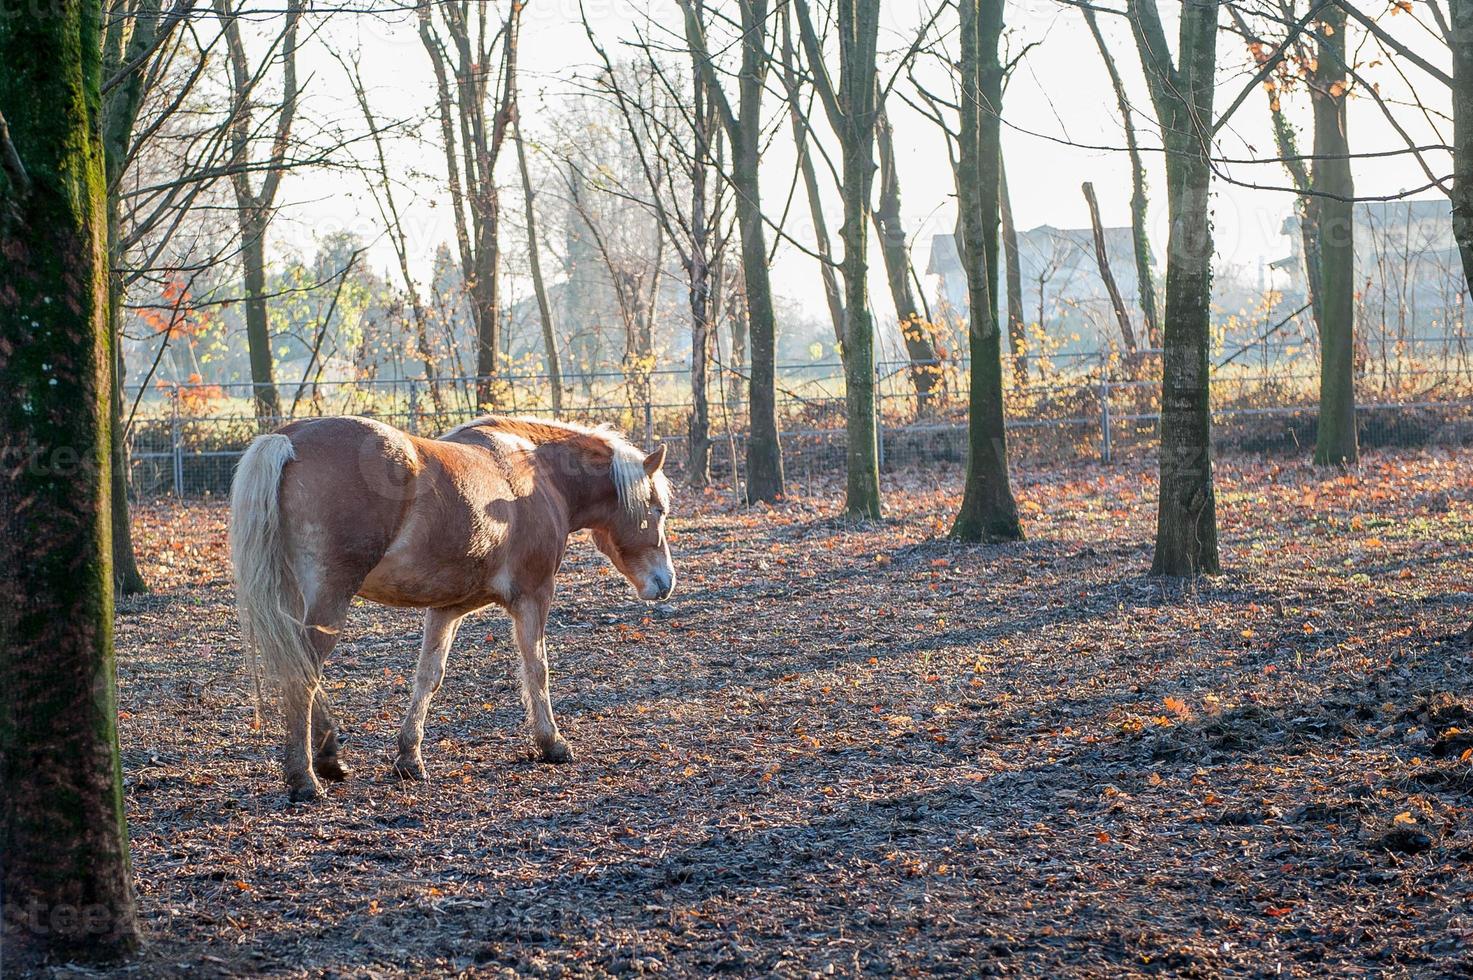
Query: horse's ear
[(654, 462)]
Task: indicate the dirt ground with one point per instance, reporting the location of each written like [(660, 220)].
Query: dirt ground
[(846, 750)]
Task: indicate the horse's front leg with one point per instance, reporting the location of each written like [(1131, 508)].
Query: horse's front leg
[(529, 615), (440, 627)]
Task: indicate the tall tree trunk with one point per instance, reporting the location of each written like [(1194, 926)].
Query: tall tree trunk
[(64, 868), (1186, 515), (988, 511), (539, 286), (915, 329), (1145, 273), (764, 452), (1013, 264), (120, 113), (744, 130), (858, 28), (1335, 443), (1462, 99)]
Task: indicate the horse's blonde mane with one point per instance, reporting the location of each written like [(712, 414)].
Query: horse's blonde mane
[(631, 484)]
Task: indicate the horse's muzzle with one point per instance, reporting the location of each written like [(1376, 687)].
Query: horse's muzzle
[(659, 587)]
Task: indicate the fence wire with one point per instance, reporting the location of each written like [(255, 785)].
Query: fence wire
[(185, 439)]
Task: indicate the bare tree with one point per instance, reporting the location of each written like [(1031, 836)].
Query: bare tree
[(255, 205), (743, 124), (1145, 272), (1013, 270), (1325, 204), (133, 57), (463, 45), (916, 329), (1102, 259), (988, 511), (853, 109), (799, 112), (381, 186), (676, 137)]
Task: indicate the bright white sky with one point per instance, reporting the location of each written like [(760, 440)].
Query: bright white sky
[(1060, 90)]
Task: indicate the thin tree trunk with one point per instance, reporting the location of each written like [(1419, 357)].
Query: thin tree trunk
[(698, 274), (1335, 443), (539, 286), (1102, 259), (826, 269), (744, 129), (389, 210), (64, 867), (915, 329), (852, 108), (1140, 236), (1017, 328), (988, 511), (126, 576)]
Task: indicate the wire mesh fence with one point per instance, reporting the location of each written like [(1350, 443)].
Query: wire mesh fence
[(185, 439)]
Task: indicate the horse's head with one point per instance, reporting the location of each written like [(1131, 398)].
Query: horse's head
[(634, 538)]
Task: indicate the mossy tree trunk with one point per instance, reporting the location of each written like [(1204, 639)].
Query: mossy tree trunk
[(988, 511), (64, 870)]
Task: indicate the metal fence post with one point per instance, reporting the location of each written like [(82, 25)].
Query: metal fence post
[(1105, 434), (176, 445), (413, 420), (879, 421)]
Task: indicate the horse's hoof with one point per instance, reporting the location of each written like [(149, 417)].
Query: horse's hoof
[(557, 752), (329, 768), (411, 769), (305, 792)]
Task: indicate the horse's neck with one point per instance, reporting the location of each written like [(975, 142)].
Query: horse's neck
[(585, 486)]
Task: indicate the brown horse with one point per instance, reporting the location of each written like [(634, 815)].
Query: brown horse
[(326, 509)]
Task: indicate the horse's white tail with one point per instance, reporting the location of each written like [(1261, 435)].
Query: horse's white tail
[(267, 594)]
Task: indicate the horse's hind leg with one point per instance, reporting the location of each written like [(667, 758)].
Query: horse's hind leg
[(308, 730), (325, 734), (440, 627), (530, 617)]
